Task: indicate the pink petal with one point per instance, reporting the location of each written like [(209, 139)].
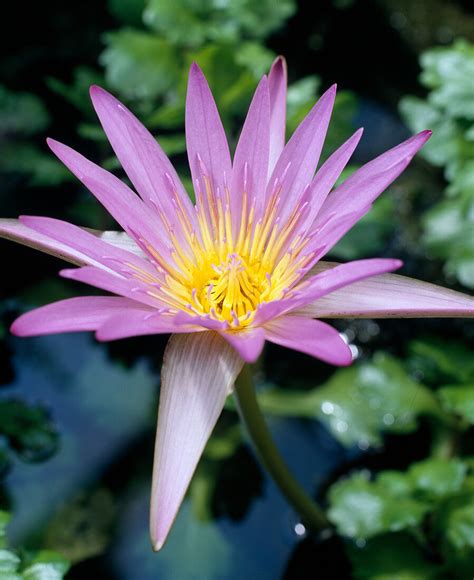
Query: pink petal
[(390, 295), (300, 157), (16, 231), (198, 373), (145, 163), (140, 323), (250, 167), (74, 315), (111, 282), (312, 337), (277, 83), (98, 252), (329, 173), (205, 136), (248, 343), (362, 188), (119, 200), (323, 283)]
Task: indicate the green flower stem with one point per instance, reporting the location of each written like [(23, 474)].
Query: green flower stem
[(250, 413)]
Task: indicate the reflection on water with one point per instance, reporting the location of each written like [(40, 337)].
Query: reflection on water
[(105, 414)]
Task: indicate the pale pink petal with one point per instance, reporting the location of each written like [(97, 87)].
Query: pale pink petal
[(74, 315), (329, 173), (323, 283), (99, 252), (277, 83), (205, 136), (250, 166), (145, 163), (312, 337), (390, 295), (198, 374), (140, 323), (112, 282), (206, 321), (362, 188), (298, 161), (248, 343), (16, 231), (119, 200)]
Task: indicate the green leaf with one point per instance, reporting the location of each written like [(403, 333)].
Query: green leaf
[(4, 520), (28, 430), (361, 508), (443, 359), (391, 557), (454, 524), (140, 65), (193, 22), (369, 234), (459, 400), (9, 563), (21, 113), (437, 478), (360, 402), (77, 93), (46, 565)]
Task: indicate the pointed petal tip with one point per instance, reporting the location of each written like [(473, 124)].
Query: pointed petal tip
[(157, 544)]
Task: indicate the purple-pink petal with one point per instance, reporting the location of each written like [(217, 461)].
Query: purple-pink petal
[(206, 141), (312, 337), (199, 371), (277, 83), (75, 315), (140, 323), (362, 188), (389, 295), (250, 166), (297, 163), (248, 342), (12, 229), (119, 200), (145, 163), (325, 282), (111, 282)]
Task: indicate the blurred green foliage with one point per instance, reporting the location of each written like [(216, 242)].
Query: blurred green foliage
[(448, 109), (28, 565)]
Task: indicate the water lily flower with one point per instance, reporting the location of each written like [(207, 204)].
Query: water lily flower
[(240, 267)]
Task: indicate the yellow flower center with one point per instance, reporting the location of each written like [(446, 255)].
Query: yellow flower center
[(224, 271)]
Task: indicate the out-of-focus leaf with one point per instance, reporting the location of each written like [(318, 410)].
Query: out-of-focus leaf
[(77, 93), (46, 565), (454, 524), (360, 508), (449, 71), (127, 11), (9, 563), (301, 97), (191, 22), (360, 402), (391, 557), (42, 167), (4, 520), (459, 399), (449, 111), (28, 430), (369, 234), (82, 528), (139, 65), (437, 478), (445, 359), (21, 113)]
